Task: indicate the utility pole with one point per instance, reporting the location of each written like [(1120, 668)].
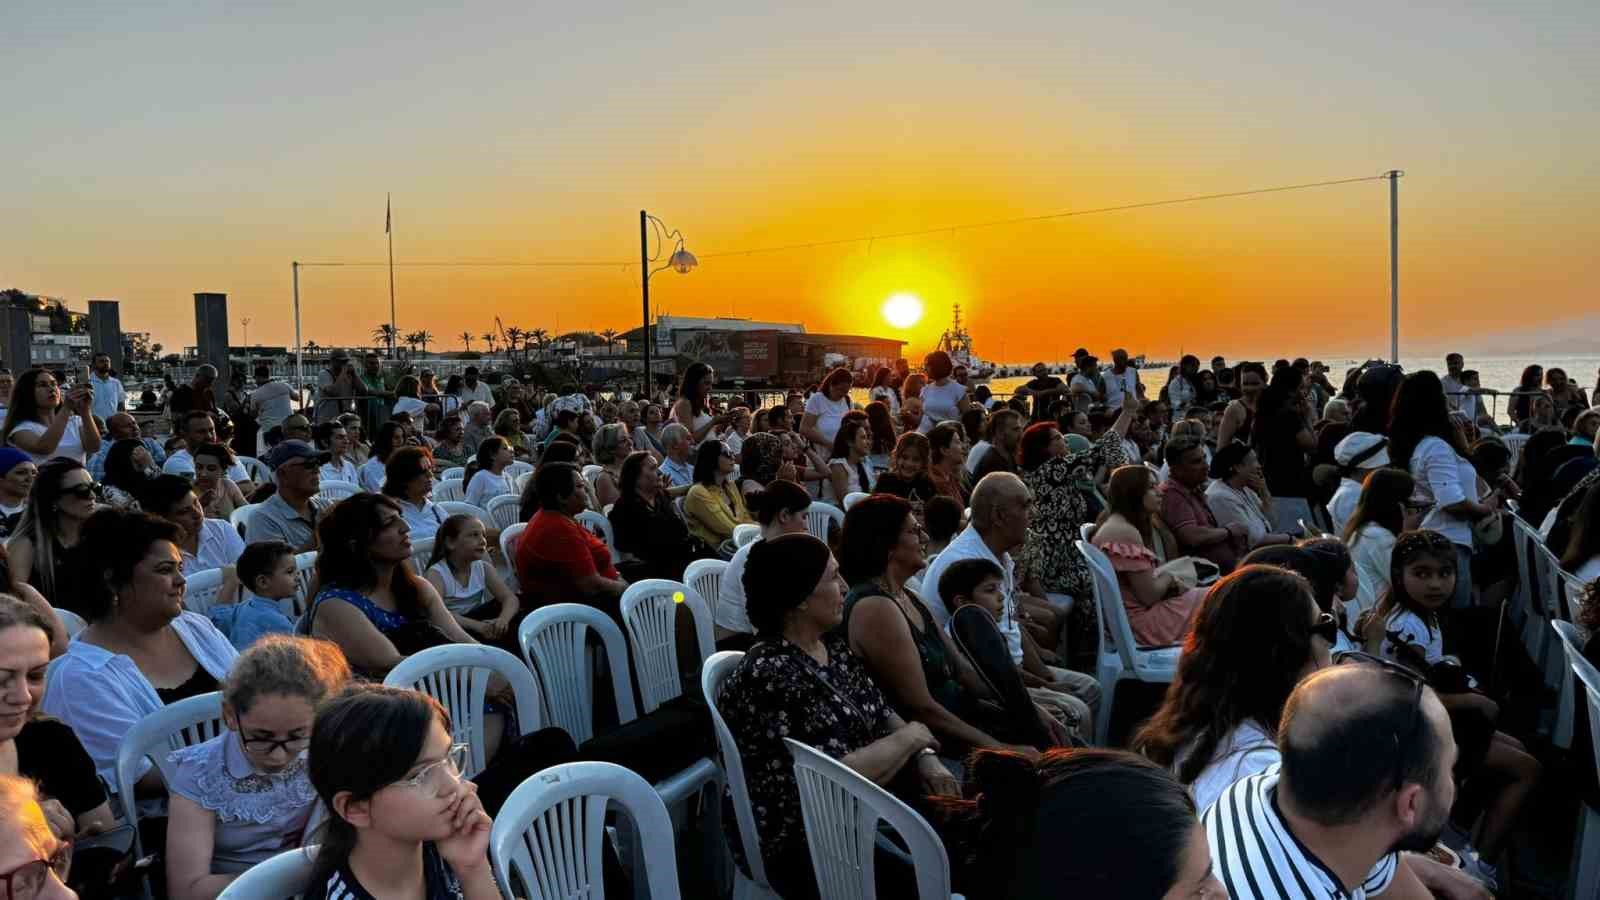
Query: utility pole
[(1394, 176), (644, 279)]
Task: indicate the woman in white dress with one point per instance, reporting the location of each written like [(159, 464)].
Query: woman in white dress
[(693, 407), (943, 398), (1384, 511)]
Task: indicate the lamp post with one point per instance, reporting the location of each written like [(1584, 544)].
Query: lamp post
[(681, 261)]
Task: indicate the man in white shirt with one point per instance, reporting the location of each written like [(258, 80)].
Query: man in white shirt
[(473, 390), (1122, 379), (1088, 386), (1357, 455), (109, 396), (676, 466), (199, 428), (1453, 385), (270, 401), (1366, 774)]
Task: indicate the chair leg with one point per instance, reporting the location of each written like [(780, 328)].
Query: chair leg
[(1102, 720), (1585, 878)]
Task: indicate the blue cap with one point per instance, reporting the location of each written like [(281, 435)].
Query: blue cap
[(10, 458)]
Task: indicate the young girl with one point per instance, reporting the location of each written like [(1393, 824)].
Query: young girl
[(486, 474), (219, 496), (245, 795), (476, 595), (1405, 628), (402, 821)]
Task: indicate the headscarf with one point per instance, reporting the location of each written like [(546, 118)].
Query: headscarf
[(761, 457)]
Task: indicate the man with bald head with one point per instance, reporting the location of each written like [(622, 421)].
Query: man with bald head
[(1366, 774), (122, 427)]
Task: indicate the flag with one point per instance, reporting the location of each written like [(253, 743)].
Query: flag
[(386, 213)]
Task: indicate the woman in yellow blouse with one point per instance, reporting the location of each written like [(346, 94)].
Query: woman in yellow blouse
[(714, 504)]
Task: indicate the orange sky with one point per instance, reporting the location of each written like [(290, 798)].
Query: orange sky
[(205, 155)]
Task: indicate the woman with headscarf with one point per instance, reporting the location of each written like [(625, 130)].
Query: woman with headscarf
[(761, 459)]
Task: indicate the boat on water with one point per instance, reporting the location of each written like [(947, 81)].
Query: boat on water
[(958, 343)]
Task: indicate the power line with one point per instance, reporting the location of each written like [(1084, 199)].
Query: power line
[(469, 264)]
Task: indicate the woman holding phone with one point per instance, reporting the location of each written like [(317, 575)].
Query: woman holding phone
[(46, 424)]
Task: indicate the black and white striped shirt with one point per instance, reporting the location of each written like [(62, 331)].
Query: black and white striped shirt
[(1257, 857)]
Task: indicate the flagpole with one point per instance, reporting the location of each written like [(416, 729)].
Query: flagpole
[(388, 229)]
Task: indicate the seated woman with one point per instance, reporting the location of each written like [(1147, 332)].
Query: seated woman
[(391, 436), (370, 603), (761, 461), (1094, 823), (847, 464), (129, 467), (1238, 494), (333, 439), (1257, 634), (904, 650), (651, 535), (353, 430), (477, 597), (557, 559), (1159, 607), (42, 549), (1384, 511), (486, 474), (219, 495), (612, 446), (34, 859), (800, 680), (508, 427), (714, 504), (245, 795), (142, 649), (449, 444), (947, 453), (908, 470), (408, 480), (204, 543), (780, 510)]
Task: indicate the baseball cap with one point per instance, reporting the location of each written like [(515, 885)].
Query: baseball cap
[(294, 451), (1362, 450), (10, 458)]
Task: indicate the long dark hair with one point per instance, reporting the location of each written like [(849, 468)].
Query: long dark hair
[(1584, 544), (1278, 396), (40, 522), (120, 472), (1250, 643), (345, 533), (882, 424), (1408, 547), (390, 436), (363, 740), (1106, 823), (871, 530), (1383, 496), (628, 478), (1420, 411), (691, 383), (707, 458), (24, 405), (1125, 497), (842, 441), (484, 460)]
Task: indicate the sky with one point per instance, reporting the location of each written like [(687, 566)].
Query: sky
[(156, 150)]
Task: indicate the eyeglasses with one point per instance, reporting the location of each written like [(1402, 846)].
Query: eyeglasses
[(82, 491), (1326, 627), (264, 746), (427, 780), (28, 880), (1402, 741)]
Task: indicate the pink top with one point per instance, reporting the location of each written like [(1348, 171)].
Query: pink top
[(1160, 625)]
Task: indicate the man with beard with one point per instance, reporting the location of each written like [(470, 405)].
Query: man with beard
[(1367, 754)]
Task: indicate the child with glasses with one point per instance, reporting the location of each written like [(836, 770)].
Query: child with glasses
[(34, 863), (401, 817), (246, 794)]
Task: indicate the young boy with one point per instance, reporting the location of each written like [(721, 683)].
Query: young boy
[(978, 582), (267, 571)]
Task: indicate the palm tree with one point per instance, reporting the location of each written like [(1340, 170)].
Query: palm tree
[(610, 337), (386, 335), (425, 337), (466, 340), (312, 347), (411, 339), (540, 338), (488, 338), (514, 336)]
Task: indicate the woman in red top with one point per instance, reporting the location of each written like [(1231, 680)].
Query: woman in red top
[(558, 560)]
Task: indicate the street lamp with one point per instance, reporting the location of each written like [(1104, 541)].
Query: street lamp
[(681, 261)]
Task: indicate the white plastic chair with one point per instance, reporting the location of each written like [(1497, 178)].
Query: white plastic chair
[(756, 886), (854, 497), (519, 468), (601, 526), (554, 641), (819, 516), (649, 614), (677, 505), (1515, 443), (745, 533), (190, 721), (1086, 531), (457, 675), (70, 620), (240, 519), (547, 841), (337, 490), (521, 481), (259, 473), (463, 508), (200, 591), (508, 542), (591, 474), (1585, 875), (1120, 657), (505, 510), (284, 875), (705, 576), (454, 473), (842, 811), (305, 569), (421, 550), (447, 491)]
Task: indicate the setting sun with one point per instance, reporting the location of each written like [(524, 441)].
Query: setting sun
[(902, 310)]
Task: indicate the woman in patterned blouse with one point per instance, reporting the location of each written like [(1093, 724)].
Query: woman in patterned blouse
[(800, 681)]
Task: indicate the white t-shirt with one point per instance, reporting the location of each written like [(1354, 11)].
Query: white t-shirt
[(182, 463), (219, 545), (470, 394), (70, 445), (888, 396), (852, 479), (1116, 384), (828, 413), (730, 609), (340, 470), (463, 598), (1244, 752), (273, 398), (1446, 478), (1406, 628), (939, 403), (1371, 553), (1343, 503), (485, 485), (409, 405), (975, 456), (424, 519), (370, 476)]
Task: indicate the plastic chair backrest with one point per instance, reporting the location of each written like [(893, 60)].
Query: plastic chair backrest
[(601, 526), (454, 473), (819, 516), (337, 490), (70, 620), (505, 510), (705, 576), (448, 491), (551, 832), (519, 468), (1588, 677), (457, 675), (240, 519), (421, 549), (508, 542), (463, 508), (1086, 531), (591, 474), (555, 645), (712, 675), (854, 497), (190, 721), (842, 811), (650, 614), (305, 569), (274, 878), (745, 533), (1108, 600), (521, 481), (200, 591), (259, 473), (677, 506)]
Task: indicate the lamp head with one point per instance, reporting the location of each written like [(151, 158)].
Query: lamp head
[(682, 261)]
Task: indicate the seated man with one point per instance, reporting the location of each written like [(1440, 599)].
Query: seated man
[(1184, 508)]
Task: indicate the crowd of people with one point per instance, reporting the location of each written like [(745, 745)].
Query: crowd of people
[(1328, 561)]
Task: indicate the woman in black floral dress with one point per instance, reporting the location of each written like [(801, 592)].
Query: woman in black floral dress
[(800, 681)]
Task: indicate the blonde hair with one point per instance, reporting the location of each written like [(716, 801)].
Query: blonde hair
[(19, 803), (286, 665)]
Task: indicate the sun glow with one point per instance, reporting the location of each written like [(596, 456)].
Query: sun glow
[(902, 310)]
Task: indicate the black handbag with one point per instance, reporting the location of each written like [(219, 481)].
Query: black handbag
[(659, 744)]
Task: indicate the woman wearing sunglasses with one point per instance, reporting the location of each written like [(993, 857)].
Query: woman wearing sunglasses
[(33, 862), (402, 822), (714, 505), (41, 549), (1256, 634)]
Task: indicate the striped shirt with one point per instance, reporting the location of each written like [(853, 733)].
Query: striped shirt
[(441, 883), (1257, 857)]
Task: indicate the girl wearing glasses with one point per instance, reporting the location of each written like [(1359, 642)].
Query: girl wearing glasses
[(33, 862), (245, 795), (402, 823), (63, 498)]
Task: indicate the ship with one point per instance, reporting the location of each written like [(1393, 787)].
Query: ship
[(956, 342)]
